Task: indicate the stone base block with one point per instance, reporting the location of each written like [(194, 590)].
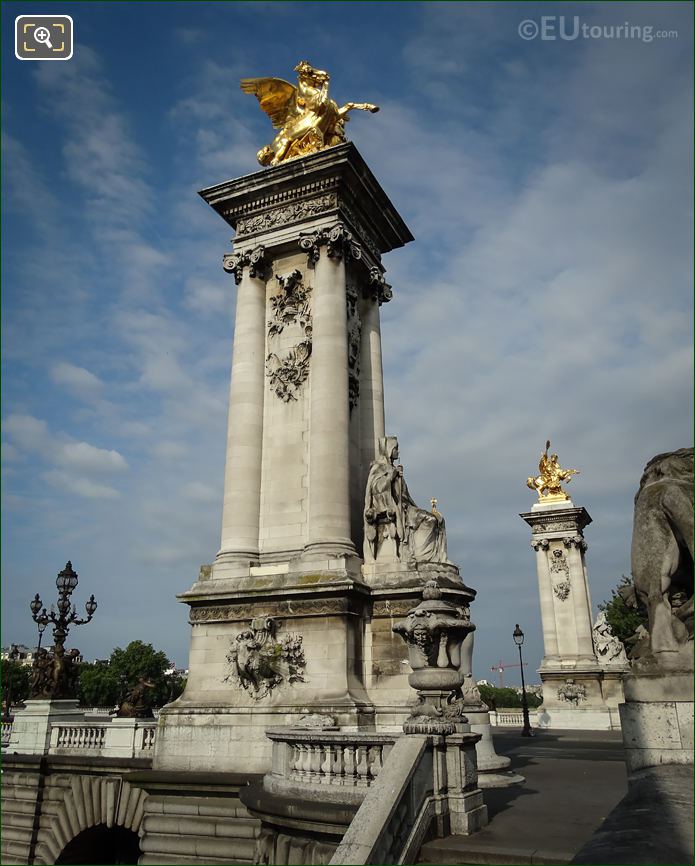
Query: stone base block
[(492, 768), (31, 729), (467, 813), (574, 718), (657, 720)]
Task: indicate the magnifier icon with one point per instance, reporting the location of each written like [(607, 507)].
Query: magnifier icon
[(43, 36)]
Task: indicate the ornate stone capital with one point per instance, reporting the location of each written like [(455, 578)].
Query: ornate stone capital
[(540, 544), (380, 290), (575, 541), (254, 260), (339, 243)]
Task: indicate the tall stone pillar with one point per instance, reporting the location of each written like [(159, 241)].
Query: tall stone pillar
[(242, 486), (573, 693), (329, 529), (280, 621)]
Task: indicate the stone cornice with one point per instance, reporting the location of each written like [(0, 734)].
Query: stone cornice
[(334, 181), (559, 521)]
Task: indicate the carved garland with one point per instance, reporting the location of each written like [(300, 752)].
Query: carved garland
[(239, 612), (354, 330), (289, 213), (291, 306), (562, 589)]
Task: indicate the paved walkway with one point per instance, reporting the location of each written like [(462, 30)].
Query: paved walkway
[(573, 780)]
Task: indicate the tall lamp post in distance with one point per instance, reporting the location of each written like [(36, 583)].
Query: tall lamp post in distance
[(526, 731), (66, 617)]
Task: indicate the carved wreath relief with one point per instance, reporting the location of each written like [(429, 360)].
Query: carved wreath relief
[(572, 692), (259, 663), (291, 306)]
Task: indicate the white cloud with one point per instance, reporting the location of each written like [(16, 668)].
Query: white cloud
[(84, 487), (83, 457), (76, 379), (196, 491)]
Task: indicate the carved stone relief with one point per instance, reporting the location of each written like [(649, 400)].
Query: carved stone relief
[(240, 612), (288, 372), (562, 589), (290, 305), (572, 692), (354, 329), (259, 663), (558, 562), (289, 213), (381, 291), (554, 526)]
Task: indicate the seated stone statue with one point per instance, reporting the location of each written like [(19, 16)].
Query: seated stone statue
[(662, 554), (395, 528)]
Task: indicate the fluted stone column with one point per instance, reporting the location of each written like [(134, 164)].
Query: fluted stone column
[(582, 614), (373, 425), (329, 446), (242, 481), (550, 643)]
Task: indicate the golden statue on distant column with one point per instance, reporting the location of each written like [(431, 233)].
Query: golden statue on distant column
[(307, 118), (551, 476)]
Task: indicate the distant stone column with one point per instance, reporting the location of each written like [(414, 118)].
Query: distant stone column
[(546, 596), (242, 480), (373, 426), (329, 452), (580, 595)]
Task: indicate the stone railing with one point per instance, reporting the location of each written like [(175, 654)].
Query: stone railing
[(6, 731), (341, 764), (428, 783), (77, 736), (123, 738), (510, 717)]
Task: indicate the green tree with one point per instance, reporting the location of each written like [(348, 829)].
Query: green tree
[(507, 698), (98, 686), (137, 660), (14, 681), (623, 611)]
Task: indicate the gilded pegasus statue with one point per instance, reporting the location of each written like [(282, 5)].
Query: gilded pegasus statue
[(308, 120)]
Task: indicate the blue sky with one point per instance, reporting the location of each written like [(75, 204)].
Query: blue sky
[(548, 291)]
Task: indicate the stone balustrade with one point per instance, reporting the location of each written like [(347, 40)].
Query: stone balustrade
[(6, 731), (339, 765), (125, 738), (77, 736), (510, 718)]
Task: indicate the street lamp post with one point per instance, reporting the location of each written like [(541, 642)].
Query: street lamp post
[(67, 612), (526, 731)]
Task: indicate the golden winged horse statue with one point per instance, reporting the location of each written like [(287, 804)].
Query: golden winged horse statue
[(308, 119)]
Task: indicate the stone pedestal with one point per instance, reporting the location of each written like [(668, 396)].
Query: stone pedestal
[(657, 717), (281, 620), (31, 730), (577, 692)]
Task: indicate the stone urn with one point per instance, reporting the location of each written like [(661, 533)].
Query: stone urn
[(434, 632)]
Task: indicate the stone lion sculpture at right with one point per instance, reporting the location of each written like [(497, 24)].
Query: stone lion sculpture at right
[(662, 554)]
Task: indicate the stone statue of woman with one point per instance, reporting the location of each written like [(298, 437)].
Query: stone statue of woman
[(395, 527)]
